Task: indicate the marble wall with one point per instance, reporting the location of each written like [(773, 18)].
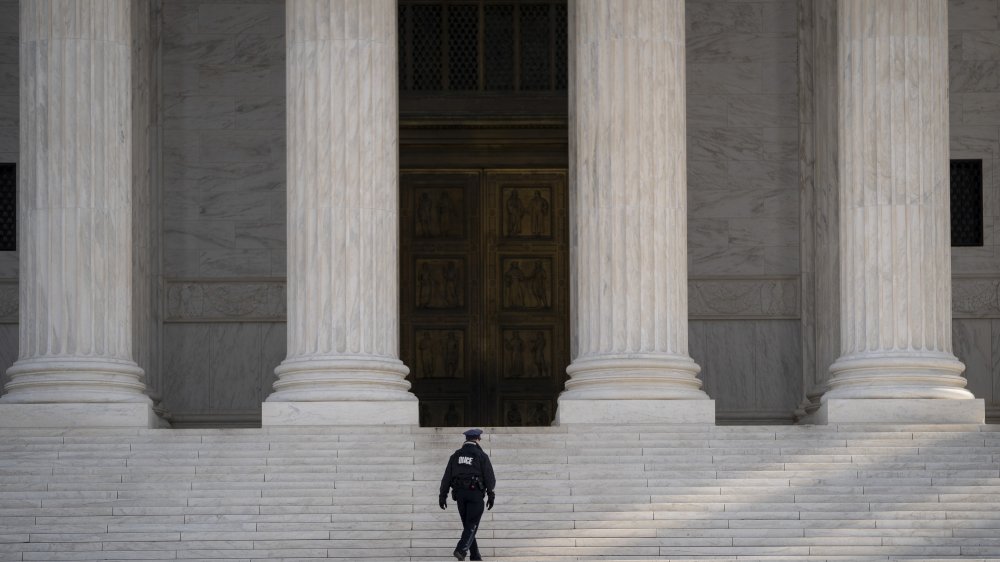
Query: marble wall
[(743, 195), (759, 377), (9, 112), (743, 206), (219, 372), (9, 119), (8, 80), (223, 76), (974, 66), (223, 204)]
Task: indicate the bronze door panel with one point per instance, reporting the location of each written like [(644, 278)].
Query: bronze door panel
[(484, 294), (439, 310), (527, 301)]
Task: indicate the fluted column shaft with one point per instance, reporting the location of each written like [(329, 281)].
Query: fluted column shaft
[(75, 205), (629, 246), (343, 324), (894, 203)]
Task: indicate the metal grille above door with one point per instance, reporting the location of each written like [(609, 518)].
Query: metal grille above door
[(8, 207), (966, 202), (482, 46)]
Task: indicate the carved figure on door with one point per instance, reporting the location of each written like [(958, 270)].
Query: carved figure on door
[(446, 212), (538, 354), (538, 210), (452, 417), (541, 416), (540, 285), (451, 353), (514, 346), (451, 285), (514, 279), (425, 286), (427, 356), (514, 208), (425, 215), (514, 414)]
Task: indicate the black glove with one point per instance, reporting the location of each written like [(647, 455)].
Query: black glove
[(489, 500), (443, 502)]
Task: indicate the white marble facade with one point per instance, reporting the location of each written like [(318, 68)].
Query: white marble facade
[(218, 255)]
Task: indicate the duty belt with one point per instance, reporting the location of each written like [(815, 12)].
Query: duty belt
[(467, 483)]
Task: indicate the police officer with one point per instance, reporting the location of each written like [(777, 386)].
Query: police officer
[(469, 474)]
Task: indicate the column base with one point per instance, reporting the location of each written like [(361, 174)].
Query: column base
[(901, 410), (341, 412), (79, 414), (626, 412)]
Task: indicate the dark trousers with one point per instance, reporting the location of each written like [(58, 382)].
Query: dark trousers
[(470, 508)]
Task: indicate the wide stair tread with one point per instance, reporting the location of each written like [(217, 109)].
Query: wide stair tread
[(564, 493)]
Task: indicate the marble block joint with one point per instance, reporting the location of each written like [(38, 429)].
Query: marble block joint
[(104, 414), (901, 410), (628, 250), (342, 365)]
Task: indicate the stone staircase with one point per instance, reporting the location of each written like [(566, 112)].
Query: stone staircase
[(564, 493)]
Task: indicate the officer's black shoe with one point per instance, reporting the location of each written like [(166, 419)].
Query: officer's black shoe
[(475, 557), (458, 554)]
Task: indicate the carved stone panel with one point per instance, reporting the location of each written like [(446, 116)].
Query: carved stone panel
[(975, 297), (440, 354), (527, 352), (524, 412), (439, 212), (743, 298), (440, 283), (442, 413), (225, 301), (527, 283), (526, 211)]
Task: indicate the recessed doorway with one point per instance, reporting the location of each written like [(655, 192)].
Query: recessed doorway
[(485, 294), (484, 234)]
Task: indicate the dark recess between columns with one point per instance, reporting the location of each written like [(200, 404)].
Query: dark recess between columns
[(966, 203)]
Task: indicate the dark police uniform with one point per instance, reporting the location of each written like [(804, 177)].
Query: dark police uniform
[(469, 474)]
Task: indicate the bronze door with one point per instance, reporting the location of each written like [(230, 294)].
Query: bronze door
[(484, 294)]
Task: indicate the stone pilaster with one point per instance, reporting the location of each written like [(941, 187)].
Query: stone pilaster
[(75, 365), (343, 314), (820, 221), (146, 223), (629, 235), (896, 362)]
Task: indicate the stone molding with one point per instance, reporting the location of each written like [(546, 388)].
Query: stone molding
[(975, 297), (775, 298), (264, 299), (225, 300)]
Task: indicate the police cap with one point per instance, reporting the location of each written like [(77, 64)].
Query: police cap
[(473, 433)]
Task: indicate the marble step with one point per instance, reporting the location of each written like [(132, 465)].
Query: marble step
[(771, 493)]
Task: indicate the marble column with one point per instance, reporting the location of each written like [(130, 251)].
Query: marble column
[(896, 362), (629, 204), (343, 313), (75, 364)]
